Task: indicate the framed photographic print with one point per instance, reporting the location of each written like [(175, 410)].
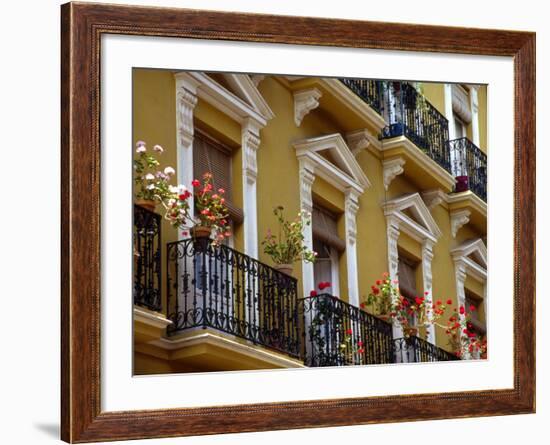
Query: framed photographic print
[(287, 222)]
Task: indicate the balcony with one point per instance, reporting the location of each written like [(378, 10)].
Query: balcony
[(219, 288), (338, 334), (147, 256), (213, 290), (368, 90), (409, 114), (469, 166)]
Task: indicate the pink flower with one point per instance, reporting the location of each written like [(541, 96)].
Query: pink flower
[(222, 191)]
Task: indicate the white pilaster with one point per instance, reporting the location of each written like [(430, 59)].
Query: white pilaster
[(393, 263), (427, 257), (250, 145), (449, 110), (475, 115), (307, 176), (351, 208), (186, 100)]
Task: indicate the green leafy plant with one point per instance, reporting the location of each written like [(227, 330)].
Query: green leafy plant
[(288, 245)]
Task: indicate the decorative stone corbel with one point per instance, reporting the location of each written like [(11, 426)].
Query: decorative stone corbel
[(392, 168), (304, 102), (257, 78), (358, 141), (458, 219), (433, 198)]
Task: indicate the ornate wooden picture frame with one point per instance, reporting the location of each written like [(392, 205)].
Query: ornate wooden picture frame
[(82, 28)]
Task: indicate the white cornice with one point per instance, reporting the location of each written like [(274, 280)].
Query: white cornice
[(243, 84), (358, 105), (354, 177), (219, 97), (151, 318), (415, 153), (427, 230)]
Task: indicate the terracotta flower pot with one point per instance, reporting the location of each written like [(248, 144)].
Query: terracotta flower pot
[(284, 268), (201, 232), (147, 204), (410, 332)]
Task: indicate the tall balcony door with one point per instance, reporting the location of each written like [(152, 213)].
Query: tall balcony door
[(329, 247), (214, 276)]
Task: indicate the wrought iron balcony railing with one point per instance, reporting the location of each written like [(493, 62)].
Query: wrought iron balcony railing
[(147, 255), (220, 288), (368, 90), (415, 349), (409, 114), (338, 334), (469, 166)]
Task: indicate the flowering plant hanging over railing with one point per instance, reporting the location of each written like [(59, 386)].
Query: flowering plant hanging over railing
[(288, 245), (466, 343), (151, 183), (411, 314), (212, 211)]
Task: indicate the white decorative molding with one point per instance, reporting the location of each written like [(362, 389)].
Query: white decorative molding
[(475, 115), (427, 257), (392, 168), (251, 111), (433, 198), (423, 229), (186, 100), (461, 103), (250, 143), (346, 175), (257, 78), (245, 88), (402, 146), (465, 265), (344, 172), (459, 218), (307, 177), (358, 140), (304, 102), (351, 208)]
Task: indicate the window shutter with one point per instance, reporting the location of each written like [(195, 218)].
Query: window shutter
[(325, 228), (210, 156), (407, 278)]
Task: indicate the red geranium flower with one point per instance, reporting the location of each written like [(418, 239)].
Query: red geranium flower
[(449, 301), (462, 310), (362, 305), (323, 285), (359, 343), (313, 293), (472, 308), (349, 332), (195, 183), (418, 301), (378, 282)]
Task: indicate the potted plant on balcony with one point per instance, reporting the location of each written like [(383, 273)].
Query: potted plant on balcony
[(461, 336), (152, 185), (381, 297), (288, 245), (212, 217)]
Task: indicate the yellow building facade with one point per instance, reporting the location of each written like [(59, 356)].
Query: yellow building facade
[(394, 175)]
